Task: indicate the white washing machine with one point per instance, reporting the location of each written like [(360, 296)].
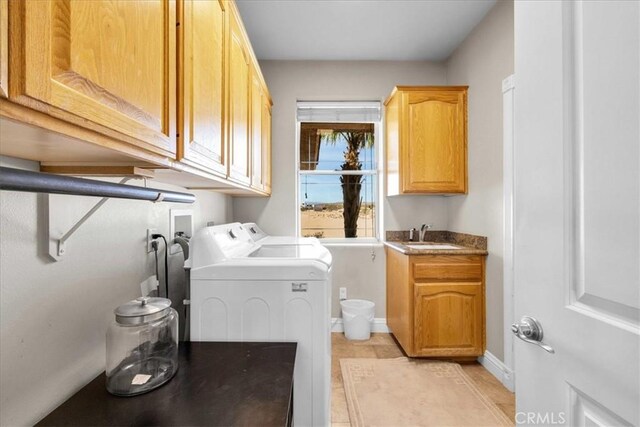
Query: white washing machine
[(243, 290)]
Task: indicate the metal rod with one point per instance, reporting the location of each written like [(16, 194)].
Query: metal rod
[(40, 182)]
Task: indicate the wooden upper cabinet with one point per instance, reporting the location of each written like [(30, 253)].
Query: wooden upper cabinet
[(260, 135), (257, 176), (239, 90), (266, 142), (4, 48), (203, 61), (426, 140), (105, 63), (168, 84)]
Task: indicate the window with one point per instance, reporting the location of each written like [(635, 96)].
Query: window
[(337, 170)]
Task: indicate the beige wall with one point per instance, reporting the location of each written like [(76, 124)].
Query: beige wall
[(290, 81), (53, 315), (482, 61)]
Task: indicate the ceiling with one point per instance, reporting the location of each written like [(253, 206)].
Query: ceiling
[(388, 30)]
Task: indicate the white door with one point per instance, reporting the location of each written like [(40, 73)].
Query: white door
[(577, 213)]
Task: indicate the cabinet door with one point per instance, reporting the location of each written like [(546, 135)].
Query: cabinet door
[(448, 319), (257, 178), (434, 152), (105, 63), (239, 79), (266, 142), (202, 141), (4, 48), (400, 299)]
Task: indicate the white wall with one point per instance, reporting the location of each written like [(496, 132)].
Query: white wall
[(53, 315), (482, 61), (290, 81)]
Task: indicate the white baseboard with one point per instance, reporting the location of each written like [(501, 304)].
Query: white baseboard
[(499, 370), (379, 324)]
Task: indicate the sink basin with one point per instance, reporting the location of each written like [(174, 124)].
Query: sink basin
[(433, 246)]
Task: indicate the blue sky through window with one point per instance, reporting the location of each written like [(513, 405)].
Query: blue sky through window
[(326, 188)]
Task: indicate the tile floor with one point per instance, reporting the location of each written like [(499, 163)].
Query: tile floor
[(382, 346)]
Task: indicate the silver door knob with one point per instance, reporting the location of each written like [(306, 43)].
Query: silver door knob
[(530, 330)]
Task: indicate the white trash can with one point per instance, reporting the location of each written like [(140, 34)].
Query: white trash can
[(357, 315)]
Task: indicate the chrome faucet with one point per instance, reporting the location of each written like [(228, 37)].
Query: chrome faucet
[(423, 230)]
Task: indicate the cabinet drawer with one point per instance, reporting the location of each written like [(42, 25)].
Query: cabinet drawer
[(447, 268)]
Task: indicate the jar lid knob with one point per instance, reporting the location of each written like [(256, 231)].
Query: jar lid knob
[(142, 310)]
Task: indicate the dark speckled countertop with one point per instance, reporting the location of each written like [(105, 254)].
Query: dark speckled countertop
[(469, 244), (218, 384)]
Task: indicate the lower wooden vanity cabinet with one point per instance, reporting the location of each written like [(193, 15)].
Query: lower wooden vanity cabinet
[(448, 319), (436, 304)]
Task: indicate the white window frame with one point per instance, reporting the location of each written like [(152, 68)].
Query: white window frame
[(377, 201)]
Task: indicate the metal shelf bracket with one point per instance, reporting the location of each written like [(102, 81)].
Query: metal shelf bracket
[(63, 240)]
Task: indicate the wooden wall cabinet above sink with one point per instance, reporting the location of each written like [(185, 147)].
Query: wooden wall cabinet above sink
[(436, 304), (426, 128)]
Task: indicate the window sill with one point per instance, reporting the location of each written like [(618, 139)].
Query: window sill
[(351, 243)]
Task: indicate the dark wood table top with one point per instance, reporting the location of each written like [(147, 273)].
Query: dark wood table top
[(217, 384)]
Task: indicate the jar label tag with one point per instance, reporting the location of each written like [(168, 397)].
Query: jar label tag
[(140, 379)]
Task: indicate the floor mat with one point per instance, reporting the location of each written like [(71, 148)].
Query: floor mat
[(409, 392)]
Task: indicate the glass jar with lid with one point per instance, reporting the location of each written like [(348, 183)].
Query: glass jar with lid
[(142, 346)]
